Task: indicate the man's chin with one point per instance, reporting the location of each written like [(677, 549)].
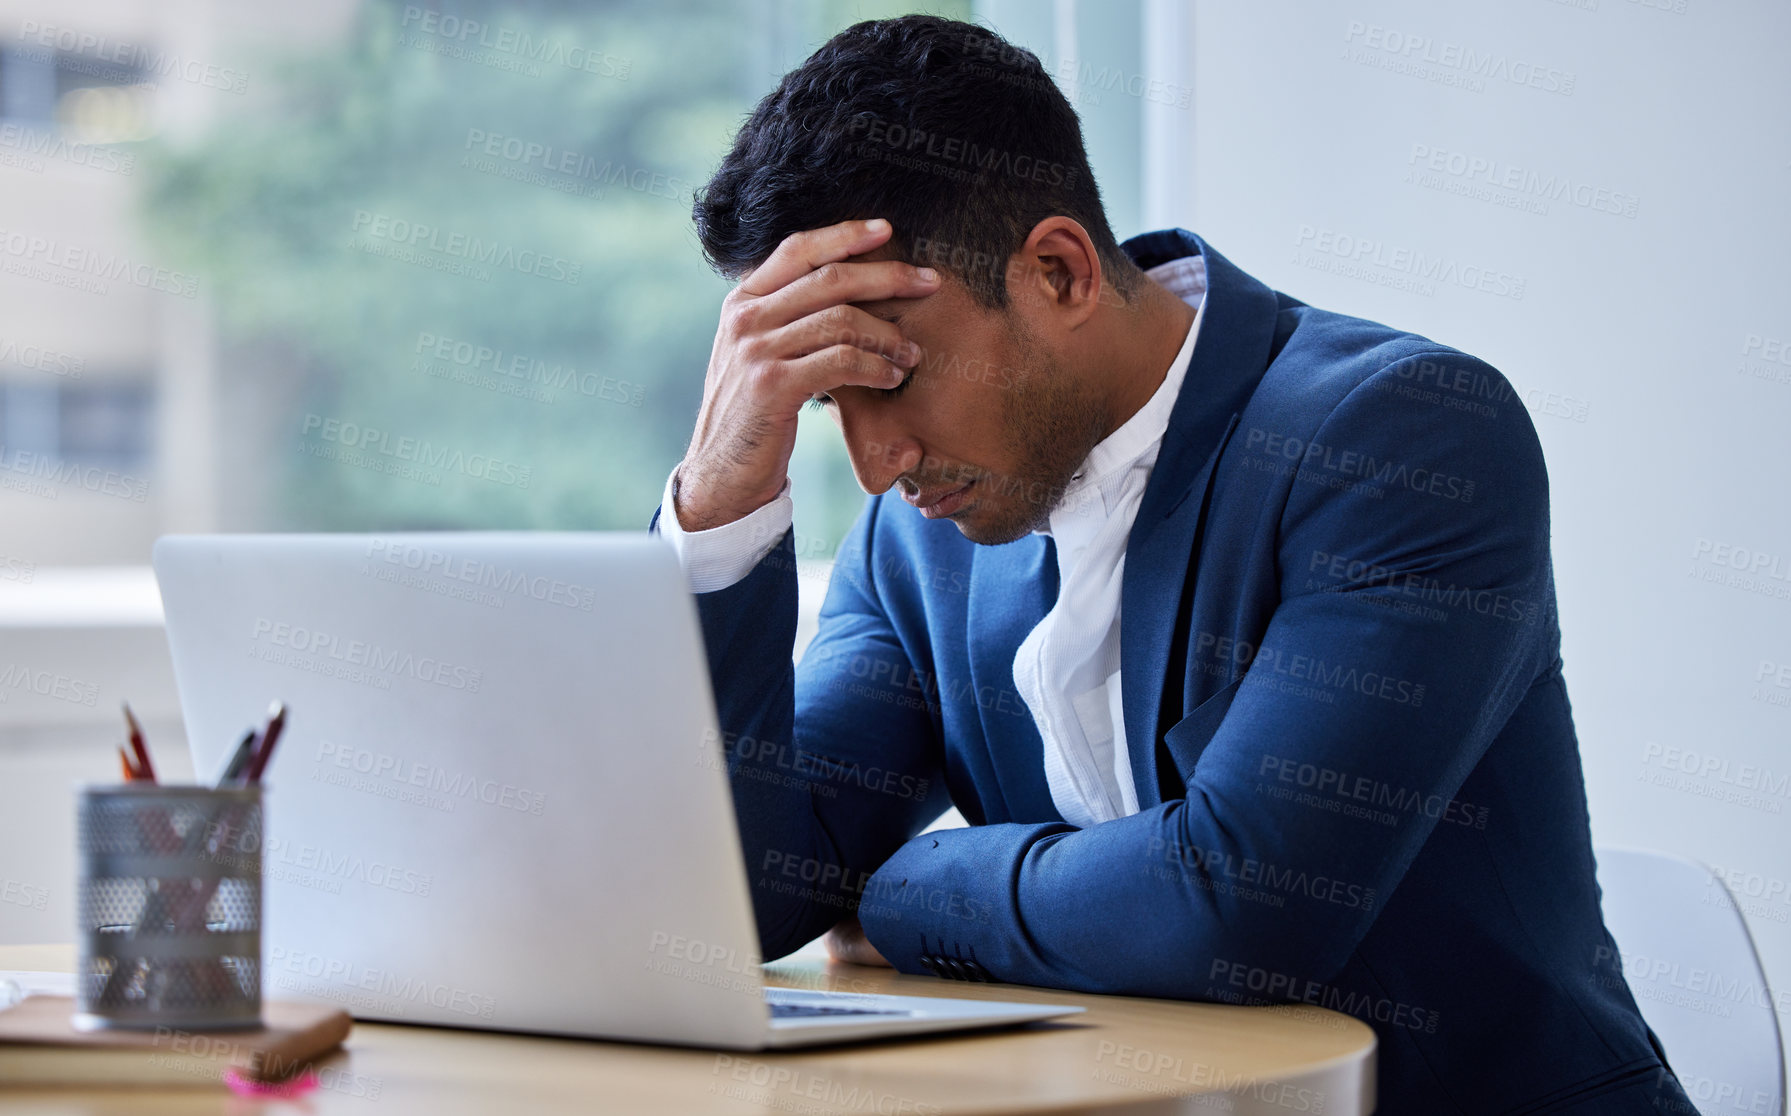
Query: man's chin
[(987, 533)]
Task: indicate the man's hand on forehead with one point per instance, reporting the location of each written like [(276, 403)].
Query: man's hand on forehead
[(794, 329)]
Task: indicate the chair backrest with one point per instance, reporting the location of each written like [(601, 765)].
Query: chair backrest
[(1684, 948)]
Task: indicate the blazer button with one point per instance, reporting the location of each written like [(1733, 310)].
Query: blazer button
[(931, 963), (956, 967)]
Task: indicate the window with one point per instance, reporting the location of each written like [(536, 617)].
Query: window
[(389, 266), (100, 424)]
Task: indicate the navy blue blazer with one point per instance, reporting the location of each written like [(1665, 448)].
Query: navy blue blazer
[(1355, 761)]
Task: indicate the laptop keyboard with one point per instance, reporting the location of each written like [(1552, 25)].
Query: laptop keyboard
[(810, 1011)]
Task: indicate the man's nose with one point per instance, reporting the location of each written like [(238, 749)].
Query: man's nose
[(878, 458)]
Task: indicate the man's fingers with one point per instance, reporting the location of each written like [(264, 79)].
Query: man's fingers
[(800, 253), (842, 366), (846, 942), (839, 945), (834, 284), (845, 325)]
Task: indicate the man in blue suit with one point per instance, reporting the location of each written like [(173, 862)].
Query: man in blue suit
[(1227, 622)]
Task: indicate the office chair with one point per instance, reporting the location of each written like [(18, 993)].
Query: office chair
[(1685, 950)]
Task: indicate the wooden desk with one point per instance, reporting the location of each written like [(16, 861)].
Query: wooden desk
[(1123, 1055)]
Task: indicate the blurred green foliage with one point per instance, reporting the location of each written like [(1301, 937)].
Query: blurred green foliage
[(387, 129)]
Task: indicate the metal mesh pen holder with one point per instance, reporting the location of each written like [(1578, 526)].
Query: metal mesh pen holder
[(170, 908)]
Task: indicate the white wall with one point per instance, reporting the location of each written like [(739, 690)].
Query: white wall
[(1640, 340)]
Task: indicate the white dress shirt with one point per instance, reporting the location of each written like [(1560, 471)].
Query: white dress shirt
[(1067, 669)]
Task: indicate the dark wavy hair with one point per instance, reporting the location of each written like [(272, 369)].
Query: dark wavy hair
[(958, 137)]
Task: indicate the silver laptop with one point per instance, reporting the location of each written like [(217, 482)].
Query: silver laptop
[(500, 800)]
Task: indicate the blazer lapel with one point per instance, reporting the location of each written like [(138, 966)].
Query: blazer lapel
[(1011, 589), (1229, 359)]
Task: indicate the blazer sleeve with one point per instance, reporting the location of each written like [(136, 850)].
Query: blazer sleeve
[(1350, 685), (833, 763)]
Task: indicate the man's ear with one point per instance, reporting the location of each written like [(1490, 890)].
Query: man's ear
[(1056, 274)]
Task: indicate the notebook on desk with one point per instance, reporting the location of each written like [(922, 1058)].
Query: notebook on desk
[(501, 800), (39, 1045)]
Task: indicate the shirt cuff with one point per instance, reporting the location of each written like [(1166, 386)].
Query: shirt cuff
[(722, 556)]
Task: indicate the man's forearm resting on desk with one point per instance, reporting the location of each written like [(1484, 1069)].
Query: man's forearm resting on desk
[(1234, 873)]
